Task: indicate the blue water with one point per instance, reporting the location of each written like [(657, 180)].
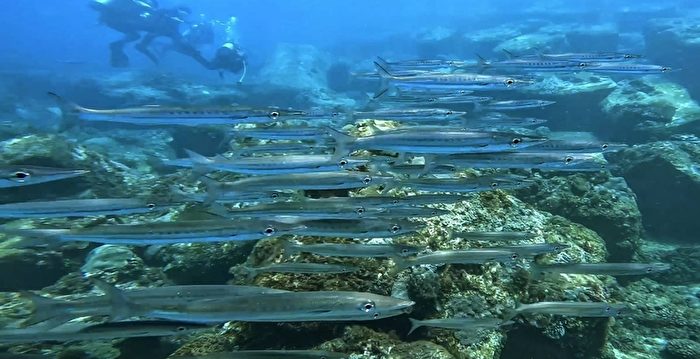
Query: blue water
[(318, 56)]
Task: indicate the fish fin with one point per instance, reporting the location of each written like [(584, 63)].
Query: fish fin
[(415, 324), (122, 307), (481, 61), (218, 209), (342, 140), (44, 309), (400, 264), (214, 190), (512, 313), (385, 76), (197, 158), (249, 272), (509, 54), (429, 164), (49, 238), (65, 105), (289, 248), (536, 271)]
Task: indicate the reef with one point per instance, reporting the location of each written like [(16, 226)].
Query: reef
[(602, 203), (665, 178), (657, 107)]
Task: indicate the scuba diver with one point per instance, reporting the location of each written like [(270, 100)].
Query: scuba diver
[(229, 58), (134, 17)]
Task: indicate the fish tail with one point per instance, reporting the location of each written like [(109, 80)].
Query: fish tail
[(482, 61), (214, 190), (44, 309), (289, 248), (122, 307), (249, 272), (342, 141), (384, 75), (69, 110), (512, 313), (509, 54), (33, 237), (399, 265), (415, 324), (536, 271), (197, 158)]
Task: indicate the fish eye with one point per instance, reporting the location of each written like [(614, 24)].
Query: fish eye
[(343, 162), (509, 82), (568, 159), (151, 205), (367, 180), (664, 69), (181, 329), (395, 201), (650, 269), (368, 306), (494, 184), (375, 316), (448, 112), (608, 309), (274, 114), (21, 175), (516, 141), (274, 195), (582, 65), (604, 146), (360, 210), (514, 256), (395, 228), (404, 251), (269, 231)]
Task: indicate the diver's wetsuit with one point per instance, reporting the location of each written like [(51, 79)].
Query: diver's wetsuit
[(132, 17), (228, 58)]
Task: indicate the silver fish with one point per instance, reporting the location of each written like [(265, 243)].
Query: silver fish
[(625, 68), (533, 250), (285, 133), (426, 140), (110, 330), (270, 307), (59, 311), (297, 268), (412, 115), (391, 202), (495, 120), (352, 250), (270, 354), (467, 324), (297, 181), (548, 161), (79, 208), (572, 146), (574, 309), (494, 236), (454, 81), (466, 185), (536, 65), (272, 165), (24, 175), (583, 56), (614, 269), (364, 228), (159, 233), (506, 105), (157, 115), (465, 256), (320, 209)]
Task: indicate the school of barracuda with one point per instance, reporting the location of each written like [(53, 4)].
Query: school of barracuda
[(288, 152)]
